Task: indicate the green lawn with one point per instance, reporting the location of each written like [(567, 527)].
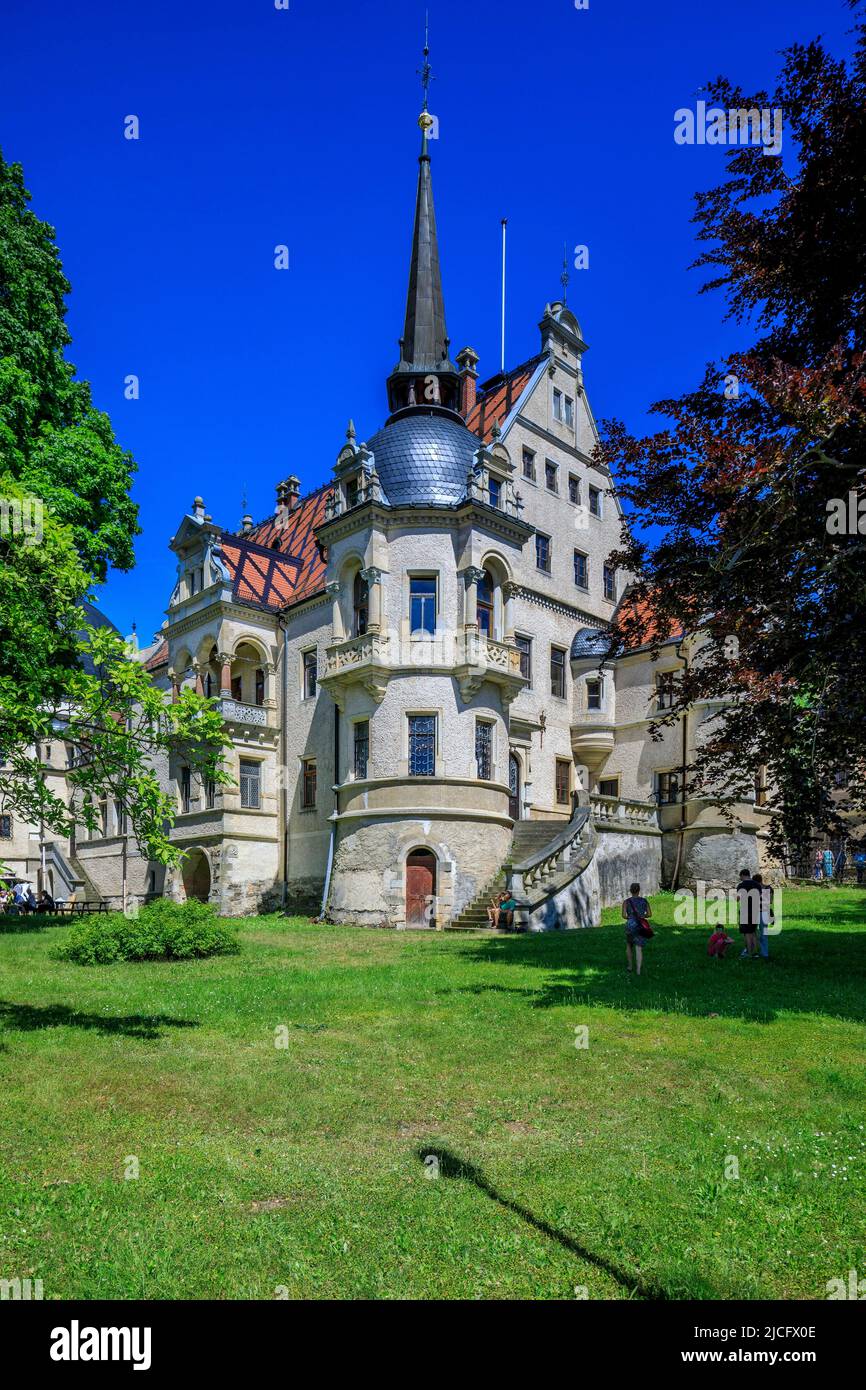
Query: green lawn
[(559, 1167)]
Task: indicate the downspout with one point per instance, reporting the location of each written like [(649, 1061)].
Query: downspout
[(684, 720), (284, 777), (330, 864)]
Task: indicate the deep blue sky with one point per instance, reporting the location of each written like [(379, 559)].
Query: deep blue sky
[(260, 126)]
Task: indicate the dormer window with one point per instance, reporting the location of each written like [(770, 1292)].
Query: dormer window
[(494, 489)]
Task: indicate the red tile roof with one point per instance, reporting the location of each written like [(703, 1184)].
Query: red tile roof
[(157, 658), (637, 623), (497, 397), (278, 561)]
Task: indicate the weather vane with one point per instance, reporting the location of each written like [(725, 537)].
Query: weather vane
[(425, 71), (564, 277)]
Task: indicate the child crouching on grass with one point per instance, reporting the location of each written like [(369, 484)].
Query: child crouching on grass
[(719, 943)]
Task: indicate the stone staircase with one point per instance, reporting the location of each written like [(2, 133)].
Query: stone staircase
[(529, 837)]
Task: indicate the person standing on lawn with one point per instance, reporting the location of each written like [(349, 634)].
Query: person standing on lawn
[(636, 912), (860, 863), (765, 913), (818, 870), (827, 857), (748, 901)]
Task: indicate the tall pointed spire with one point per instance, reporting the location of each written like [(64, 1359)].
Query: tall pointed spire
[(424, 345)]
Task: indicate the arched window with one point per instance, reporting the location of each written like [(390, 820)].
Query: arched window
[(360, 605), (485, 605)]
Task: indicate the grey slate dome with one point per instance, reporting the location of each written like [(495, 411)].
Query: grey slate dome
[(423, 459), (590, 642)]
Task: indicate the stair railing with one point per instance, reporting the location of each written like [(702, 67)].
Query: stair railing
[(551, 860)]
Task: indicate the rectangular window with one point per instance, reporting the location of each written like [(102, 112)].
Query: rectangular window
[(251, 784), (610, 583), (529, 465), (667, 788), (761, 786), (594, 501), (593, 694), (557, 404), (5, 827), (352, 492), (542, 552), (311, 673), (422, 745), (608, 786), (494, 489), (484, 750), (563, 782), (308, 783), (422, 603), (665, 689), (119, 818), (581, 570), (574, 489), (185, 789), (260, 686), (209, 793), (557, 672), (361, 754), (524, 645), (550, 471), (569, 412)]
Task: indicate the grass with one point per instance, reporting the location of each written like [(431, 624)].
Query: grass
[(302, 1170)]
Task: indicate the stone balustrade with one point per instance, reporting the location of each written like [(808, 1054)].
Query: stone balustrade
[(623, 810)]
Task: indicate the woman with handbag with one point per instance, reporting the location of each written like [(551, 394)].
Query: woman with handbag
[(636, 913)]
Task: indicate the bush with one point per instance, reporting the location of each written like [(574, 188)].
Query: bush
[(162, 931)]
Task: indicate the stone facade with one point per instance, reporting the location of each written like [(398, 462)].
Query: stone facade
[(406, 662)]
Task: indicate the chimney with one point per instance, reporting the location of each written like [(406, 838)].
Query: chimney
[(288, 494), (246, 524), (293, 492), (467, 360)]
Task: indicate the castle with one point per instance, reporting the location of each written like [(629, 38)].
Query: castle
[(412, 664)]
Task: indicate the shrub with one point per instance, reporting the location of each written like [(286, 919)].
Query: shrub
[(162, 931)]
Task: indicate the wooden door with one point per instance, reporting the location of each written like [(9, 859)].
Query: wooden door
[(420, 888)]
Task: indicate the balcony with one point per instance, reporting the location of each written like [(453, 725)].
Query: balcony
[(234, 712), (592, 738), (470, 657)]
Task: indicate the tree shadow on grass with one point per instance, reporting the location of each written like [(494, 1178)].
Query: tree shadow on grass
[(450, 1166), (820, 972), (11, 922), (29, 1018)]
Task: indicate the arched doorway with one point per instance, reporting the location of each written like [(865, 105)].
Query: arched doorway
[(420, 888), (196, 875), (514, 786)]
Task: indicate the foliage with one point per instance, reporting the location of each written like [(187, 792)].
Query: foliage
[(744, 477), (162, 931)]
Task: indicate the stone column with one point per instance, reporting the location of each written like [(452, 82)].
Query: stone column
[(225, 662), (175, 686), (199, 678), (509, 589), (270, 685), (473, 577), (373, 578), (333, 589)]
